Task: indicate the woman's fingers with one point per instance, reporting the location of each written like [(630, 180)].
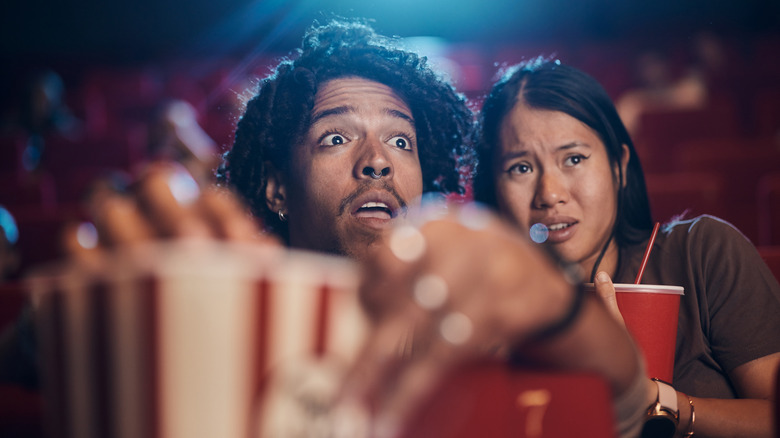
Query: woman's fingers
[(606, 291)]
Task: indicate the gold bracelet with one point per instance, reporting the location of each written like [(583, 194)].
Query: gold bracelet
[(693, 416)]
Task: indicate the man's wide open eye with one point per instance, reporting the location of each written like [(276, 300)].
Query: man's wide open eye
[(333, 140), (401, 142)]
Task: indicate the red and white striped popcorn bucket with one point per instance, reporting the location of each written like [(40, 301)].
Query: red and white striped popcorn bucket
[(195, 339)]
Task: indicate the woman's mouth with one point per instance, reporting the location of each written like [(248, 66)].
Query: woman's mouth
[(553, 229), (559, 226), (561, 231)]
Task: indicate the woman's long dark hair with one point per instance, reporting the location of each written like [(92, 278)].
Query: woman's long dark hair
[(549, 85)]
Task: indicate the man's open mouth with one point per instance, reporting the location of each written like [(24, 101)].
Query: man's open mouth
[(375, 209)]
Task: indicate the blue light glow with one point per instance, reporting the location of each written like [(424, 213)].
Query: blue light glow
[(8, 225), (539, 233)]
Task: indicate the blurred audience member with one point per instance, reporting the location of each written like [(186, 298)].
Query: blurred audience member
[(42, 113), (661, 88)]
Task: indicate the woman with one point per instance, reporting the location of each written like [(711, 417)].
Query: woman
[(556, 160)]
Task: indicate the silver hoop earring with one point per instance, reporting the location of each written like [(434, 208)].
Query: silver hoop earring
[(282, 217)]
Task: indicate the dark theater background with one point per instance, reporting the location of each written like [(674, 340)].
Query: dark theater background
[(115, 62)]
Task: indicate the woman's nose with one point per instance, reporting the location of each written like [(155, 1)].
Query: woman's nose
[(550, 190)]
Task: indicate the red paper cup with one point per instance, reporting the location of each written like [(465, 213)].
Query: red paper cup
[(650, 313)]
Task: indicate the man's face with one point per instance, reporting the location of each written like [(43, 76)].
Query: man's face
[(356, 170)]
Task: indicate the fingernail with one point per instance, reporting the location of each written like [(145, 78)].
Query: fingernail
[(407, 243), (431, 208), (183, 187), (87, 235), (602, 277)]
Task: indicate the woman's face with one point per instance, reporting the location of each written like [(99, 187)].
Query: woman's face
[(553, 170)]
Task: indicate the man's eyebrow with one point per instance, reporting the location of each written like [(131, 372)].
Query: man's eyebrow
[(332, 112), (400, 115), (339, 110)]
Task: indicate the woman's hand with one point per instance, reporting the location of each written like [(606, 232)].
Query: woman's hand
[(606, 290)]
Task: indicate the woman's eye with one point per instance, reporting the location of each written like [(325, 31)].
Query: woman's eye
[(401, 142), (520, 168), (333, 140), (575, 160)]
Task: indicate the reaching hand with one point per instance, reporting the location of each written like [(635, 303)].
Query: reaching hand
[(165, 202), (460, 286)]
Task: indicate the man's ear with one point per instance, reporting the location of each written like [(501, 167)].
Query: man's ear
[(275, 190)]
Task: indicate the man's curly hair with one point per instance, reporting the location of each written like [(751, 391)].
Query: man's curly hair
[(277, 118)]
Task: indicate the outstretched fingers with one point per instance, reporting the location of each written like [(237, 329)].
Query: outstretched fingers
[(165, 202)]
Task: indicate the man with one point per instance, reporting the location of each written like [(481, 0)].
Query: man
[(339, 141)]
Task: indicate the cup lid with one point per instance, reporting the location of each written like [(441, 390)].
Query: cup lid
[(645, 288)]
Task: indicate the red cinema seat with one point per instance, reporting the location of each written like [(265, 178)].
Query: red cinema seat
[(768, 206), (492, 400), (771, 256), (23, 188), (674, 193)]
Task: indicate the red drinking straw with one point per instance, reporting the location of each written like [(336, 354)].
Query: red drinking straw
[(647, 254)]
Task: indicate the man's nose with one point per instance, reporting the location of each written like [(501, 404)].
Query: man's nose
[(373, 161)]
